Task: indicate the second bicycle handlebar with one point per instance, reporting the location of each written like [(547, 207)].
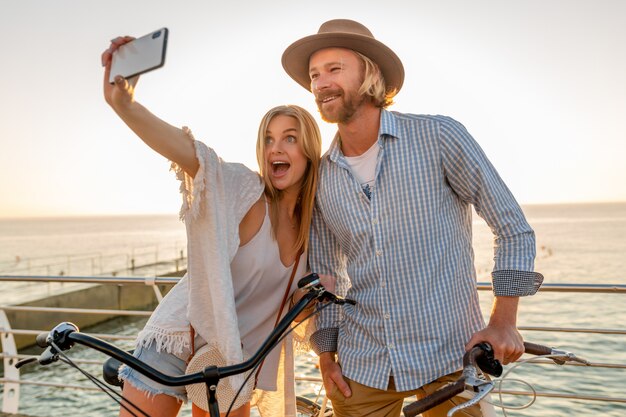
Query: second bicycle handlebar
[(480, 356)]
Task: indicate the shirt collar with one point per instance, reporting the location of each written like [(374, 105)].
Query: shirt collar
[(388, 128), (388, 125)]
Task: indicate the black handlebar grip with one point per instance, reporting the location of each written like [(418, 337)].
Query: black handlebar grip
[(535, 349), (471, 356), (303, 282), (41, 340), (434, 399), (483, 357)]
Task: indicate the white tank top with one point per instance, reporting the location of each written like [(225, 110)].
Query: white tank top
[(259, 281)]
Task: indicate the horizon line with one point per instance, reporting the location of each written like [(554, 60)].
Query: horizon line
[(146, 214)]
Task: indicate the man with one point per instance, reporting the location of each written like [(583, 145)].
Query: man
[(393, 225)]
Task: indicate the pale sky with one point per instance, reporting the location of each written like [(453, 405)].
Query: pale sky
[(540, 84)]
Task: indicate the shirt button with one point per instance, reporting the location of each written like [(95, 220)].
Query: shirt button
[(387, 315), (379, 252), (390, 346), (375, 222), (383, 284)]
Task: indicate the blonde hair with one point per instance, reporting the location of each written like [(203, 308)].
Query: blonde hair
[(374, 84), (310, 142)]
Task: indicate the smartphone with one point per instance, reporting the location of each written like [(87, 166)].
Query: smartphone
[(140, 55)]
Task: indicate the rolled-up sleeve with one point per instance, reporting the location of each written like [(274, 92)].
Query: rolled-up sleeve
[(516, 283)]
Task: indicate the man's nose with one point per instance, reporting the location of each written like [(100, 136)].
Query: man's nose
[(320, 83)]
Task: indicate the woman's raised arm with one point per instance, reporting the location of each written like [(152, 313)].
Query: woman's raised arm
[(169, 141)]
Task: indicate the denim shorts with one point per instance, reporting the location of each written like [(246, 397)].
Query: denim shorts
[(165, 362)]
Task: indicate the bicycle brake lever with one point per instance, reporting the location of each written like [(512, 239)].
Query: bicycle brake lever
[(312, 283), (482, 389), (329, 296), (48, 356), (56, 338), (561, 356), (25, 361), (341, 301)]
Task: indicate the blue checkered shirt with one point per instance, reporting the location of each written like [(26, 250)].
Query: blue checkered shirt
[(405, 252)]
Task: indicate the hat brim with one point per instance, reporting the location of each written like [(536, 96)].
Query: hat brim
[(209, 355), (296, 57)]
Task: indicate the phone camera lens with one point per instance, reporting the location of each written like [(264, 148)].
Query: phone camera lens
[(156, 34)]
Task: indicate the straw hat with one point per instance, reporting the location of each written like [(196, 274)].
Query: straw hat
[(342, 33), (226, 390)]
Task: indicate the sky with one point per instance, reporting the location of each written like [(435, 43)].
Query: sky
[(540, 84)]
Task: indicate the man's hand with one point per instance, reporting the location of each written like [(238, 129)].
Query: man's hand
[(506, 341), (501, 333), (331, 374)]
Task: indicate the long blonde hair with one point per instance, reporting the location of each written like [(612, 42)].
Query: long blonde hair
[(310, 142)]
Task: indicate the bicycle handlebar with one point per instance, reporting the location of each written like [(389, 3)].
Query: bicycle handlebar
[(480, 356), (535, 349), (41, 340), (448, 391), (66, 334)]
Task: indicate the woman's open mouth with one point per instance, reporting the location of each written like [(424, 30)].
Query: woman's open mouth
[(279, 168)]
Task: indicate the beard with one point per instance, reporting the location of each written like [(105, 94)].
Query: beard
[(342, 112)]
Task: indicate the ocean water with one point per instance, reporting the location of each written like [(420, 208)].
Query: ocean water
[(582, 243), (87, 245)]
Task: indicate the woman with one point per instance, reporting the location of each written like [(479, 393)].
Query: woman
[(247, 236)]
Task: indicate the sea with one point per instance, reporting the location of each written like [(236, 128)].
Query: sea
[(576, 243)]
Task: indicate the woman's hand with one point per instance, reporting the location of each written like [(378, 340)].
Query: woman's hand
[(328, 282), (120, 93), (169, 141)]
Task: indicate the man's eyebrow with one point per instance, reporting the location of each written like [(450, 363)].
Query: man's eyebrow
[(327, 64)]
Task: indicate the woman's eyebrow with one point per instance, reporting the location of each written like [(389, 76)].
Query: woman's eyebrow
[(290, 129)]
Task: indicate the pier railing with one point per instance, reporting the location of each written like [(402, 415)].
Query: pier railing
[(137, 261), (11, 381)]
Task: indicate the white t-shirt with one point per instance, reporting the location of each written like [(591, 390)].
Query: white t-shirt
[(364, 168)]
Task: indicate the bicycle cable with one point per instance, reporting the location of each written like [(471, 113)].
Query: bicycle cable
[(504, 377), (314, 312), (101, 385)]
